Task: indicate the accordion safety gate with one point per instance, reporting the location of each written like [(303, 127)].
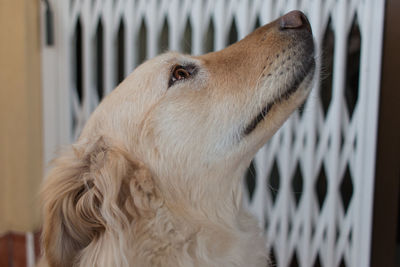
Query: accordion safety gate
[(311, 186)]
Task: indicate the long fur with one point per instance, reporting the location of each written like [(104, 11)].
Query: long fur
[(92, 190), (102, 207)]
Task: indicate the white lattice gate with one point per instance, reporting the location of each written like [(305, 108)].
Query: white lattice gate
[(311, 186)]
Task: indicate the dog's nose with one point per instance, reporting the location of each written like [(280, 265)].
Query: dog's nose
[(294, 20)]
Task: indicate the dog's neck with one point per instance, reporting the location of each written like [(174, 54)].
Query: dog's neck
[(212, 220), (211, 194)]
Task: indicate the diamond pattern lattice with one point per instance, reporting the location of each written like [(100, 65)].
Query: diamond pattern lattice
[(311, 185)]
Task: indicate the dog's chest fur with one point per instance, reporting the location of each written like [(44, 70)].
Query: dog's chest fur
[(168, 241)]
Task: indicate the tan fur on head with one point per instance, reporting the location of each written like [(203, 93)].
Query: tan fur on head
[(155, 177)]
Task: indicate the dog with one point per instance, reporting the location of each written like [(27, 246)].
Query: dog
[(155, 176)]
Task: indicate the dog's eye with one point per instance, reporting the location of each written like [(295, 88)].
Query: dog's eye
[(179, 73)]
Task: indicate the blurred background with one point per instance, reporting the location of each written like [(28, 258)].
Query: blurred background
[(325, 188)]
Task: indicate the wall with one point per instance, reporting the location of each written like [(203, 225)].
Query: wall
[(20, 115)]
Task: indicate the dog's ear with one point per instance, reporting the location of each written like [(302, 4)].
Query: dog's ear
[(92, 189)]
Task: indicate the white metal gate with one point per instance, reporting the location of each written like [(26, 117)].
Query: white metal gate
[(311, 186)]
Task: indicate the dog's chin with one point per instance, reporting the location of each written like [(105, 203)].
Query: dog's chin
[(300, 82)]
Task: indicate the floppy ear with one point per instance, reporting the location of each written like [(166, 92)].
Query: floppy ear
[(92, 189)]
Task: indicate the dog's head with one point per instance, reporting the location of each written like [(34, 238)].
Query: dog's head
[(191, 120), (211, 108)]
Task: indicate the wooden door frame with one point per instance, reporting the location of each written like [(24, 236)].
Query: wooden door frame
[(387, 172)]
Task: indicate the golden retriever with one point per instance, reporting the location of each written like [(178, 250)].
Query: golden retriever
[(155, 177)]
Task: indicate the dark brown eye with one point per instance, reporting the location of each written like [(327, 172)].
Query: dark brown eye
[(180, 73)]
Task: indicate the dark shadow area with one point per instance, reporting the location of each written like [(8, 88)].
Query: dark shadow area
[(121, 52)]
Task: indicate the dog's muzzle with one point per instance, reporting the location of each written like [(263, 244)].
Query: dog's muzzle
[(300, 63)]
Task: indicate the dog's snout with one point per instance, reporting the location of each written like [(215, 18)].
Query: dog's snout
[(294, 20)]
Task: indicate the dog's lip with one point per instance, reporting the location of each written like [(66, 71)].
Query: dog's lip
[(309, 67), (260, 117)]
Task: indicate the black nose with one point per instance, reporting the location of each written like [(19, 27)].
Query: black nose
[(294, 20)]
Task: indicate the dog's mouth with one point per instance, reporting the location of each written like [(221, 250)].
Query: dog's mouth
[(291, 87)]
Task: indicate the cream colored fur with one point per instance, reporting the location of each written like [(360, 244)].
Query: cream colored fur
[(155, 177)]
